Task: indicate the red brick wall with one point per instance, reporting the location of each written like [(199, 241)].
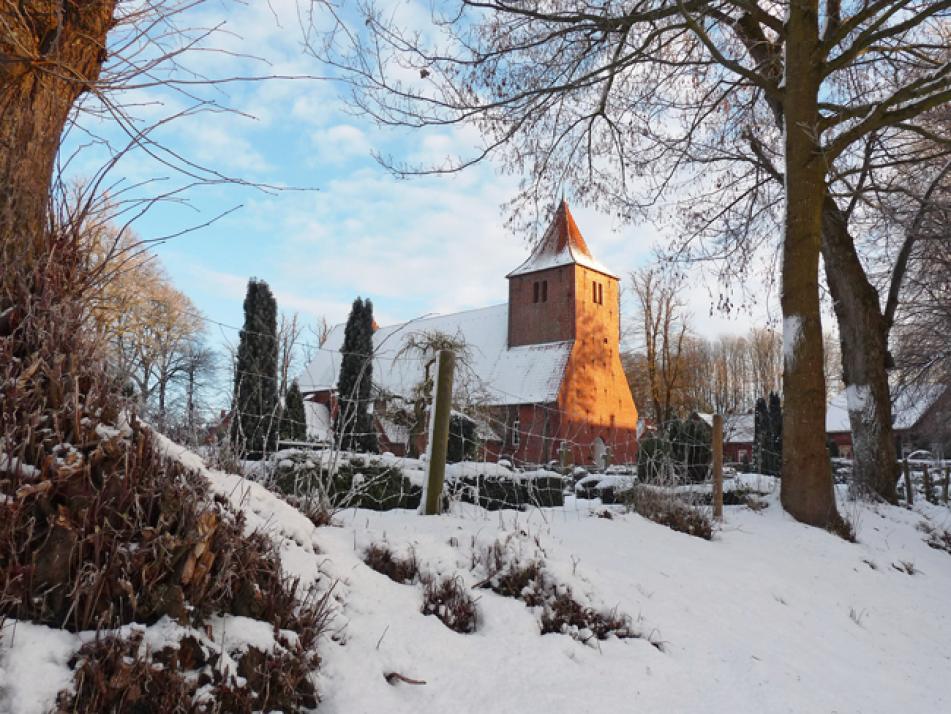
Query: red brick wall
[(532, 323), (595, 397), (735, 452), (842, 439)]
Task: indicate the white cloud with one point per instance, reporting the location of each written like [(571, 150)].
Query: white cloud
[(416, 246), (340, 142)]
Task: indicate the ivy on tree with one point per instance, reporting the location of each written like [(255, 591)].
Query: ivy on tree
[(255, 423), (353, 423)]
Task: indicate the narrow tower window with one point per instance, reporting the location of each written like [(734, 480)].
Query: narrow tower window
[(535, 291), (597, 293), (544, 291)]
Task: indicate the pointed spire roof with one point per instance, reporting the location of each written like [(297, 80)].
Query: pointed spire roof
[(562, 244)]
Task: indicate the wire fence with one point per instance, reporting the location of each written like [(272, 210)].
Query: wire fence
[(501, 456), (503, 453)]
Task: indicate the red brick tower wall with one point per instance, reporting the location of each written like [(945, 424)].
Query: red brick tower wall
[(548, 320), (595, 399)]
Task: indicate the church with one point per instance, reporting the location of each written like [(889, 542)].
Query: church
[(545, 367)]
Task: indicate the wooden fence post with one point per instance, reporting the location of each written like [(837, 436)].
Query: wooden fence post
[(717, 445), (926, 482), (439, 433), (909, 491), (944, 488)]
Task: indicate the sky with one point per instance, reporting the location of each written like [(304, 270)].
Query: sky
[(344, 226)]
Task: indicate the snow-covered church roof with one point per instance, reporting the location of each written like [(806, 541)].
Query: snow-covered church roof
[(737, 428), (530, 374), (908, 407), (562, 244)]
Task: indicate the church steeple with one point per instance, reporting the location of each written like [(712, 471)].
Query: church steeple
[(561, 292), (562, 244)]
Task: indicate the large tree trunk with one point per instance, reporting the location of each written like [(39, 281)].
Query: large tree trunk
[(865, 359), (807, 492), (52, 51)]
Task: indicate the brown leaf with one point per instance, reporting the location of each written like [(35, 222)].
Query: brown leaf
[(188, 570), (27, 374), (33, 488)]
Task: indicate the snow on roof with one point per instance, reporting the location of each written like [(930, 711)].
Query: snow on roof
[(530, 374), (318, 421), (395, 433), (737, 428), (908, 407), (483, 429), (562, 244)]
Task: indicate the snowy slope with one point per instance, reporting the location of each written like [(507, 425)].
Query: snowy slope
[(760, 619), (770, 616)]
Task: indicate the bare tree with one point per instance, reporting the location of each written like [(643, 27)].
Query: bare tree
[(766, 356), (832, 354), (289, 332), (621, 100), (662, 328), (917, 207), (199, 372), (426, 346), (895, 173)]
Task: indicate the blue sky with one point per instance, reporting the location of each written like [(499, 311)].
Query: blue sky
[(415, 246)]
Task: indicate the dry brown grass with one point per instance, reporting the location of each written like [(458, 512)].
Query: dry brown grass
[(97, 529), (668, 510), (449, 600), (399, 570), (561, 612), (937, 538)]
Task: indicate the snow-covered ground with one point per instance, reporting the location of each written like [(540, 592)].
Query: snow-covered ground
[(769, 616)]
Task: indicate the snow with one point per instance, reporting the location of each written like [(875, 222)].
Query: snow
[(34, 666), (618, 482), (562, 244), (769, 616), (737, 428), (763, 618), (319, 424), (908, 406), (756, 620), (520, 375), (857, 397), (792, 334), (15, 465)]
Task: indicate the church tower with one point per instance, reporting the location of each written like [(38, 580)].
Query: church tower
[(561, 293)]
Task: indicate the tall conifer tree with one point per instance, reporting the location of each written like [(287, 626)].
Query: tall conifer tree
[(775, 434), (293, 419), (256, 409), (354, 423), (761, 439)]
